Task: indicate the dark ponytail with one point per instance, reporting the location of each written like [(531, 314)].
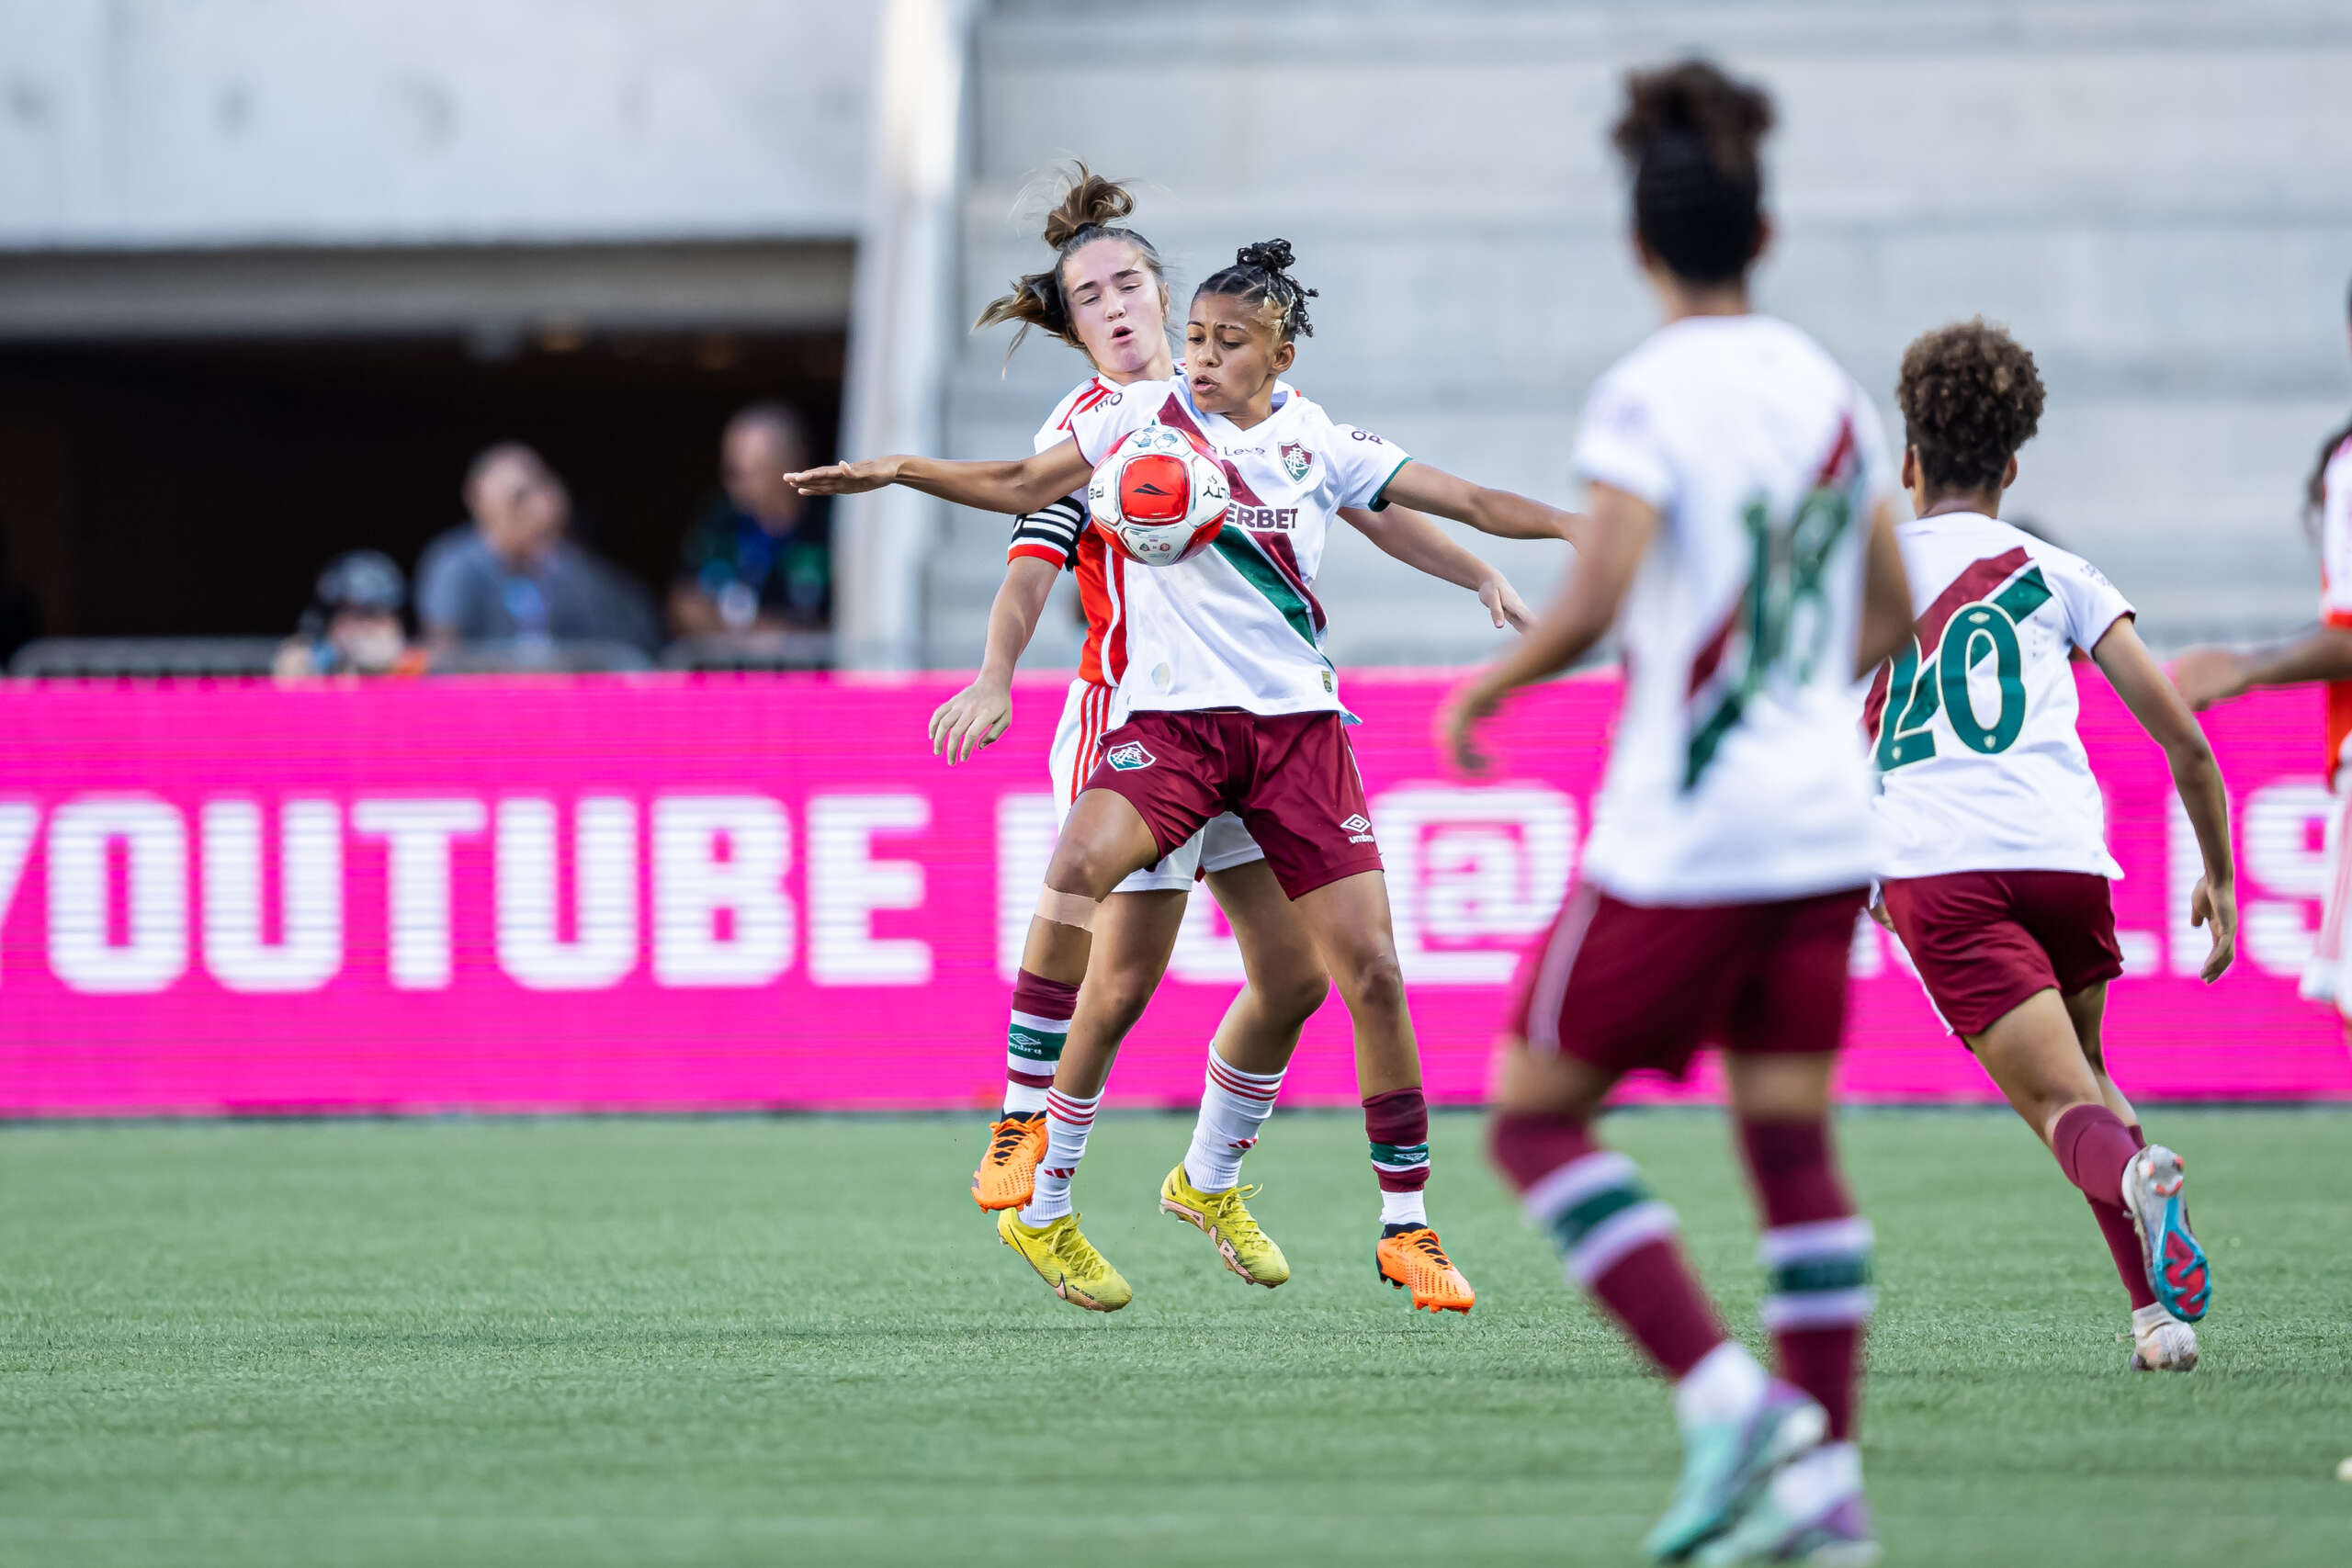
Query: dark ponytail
[(2315, 488), (1090, 209), (1260, 274), (1690, 136)]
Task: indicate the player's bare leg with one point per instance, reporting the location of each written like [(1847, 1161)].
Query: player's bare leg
[(1349, 922), (2041, 1053), (1246, 1060), (1103, 843)]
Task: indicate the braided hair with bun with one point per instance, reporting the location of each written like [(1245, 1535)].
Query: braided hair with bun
[(1261, 275), (1690, 136), (1090, 209)]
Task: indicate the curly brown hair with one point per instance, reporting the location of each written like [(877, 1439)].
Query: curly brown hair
[(1970, 397)]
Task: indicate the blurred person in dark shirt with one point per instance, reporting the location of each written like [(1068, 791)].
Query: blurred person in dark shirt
[(513, 576), (760, 558), (353, 626)]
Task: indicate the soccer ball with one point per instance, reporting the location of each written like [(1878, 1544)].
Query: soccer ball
[(1160, 495)]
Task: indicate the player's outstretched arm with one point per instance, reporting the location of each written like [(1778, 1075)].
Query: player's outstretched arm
[(2140, 680), (976, 716), (1886, 597), (2208, 674), (1611, 540), (1504, 514), (1417, 540), (1009, 486)]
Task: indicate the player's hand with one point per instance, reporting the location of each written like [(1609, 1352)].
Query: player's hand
[(2216, 907), (970, 720), (1456, 725), (1503, 603), (844, 478), (2207, 675), (1877, 912)]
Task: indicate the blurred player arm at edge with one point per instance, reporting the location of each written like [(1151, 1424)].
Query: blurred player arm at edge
[(1416, 539), (1610, 541), (2141, 682), (976, 716), (1886, 597), (1013, 488), (2209, 674)]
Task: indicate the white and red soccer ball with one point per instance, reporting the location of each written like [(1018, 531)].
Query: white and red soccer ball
[(1160, 495)]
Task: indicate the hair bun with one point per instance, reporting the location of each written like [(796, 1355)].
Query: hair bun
[(1693, 102), (1273, 256), (1090, 202)]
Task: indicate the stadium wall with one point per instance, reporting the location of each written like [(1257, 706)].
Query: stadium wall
[(761, 892)]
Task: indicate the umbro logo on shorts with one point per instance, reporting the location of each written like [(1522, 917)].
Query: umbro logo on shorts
[(1358, 829), (1128, 756)]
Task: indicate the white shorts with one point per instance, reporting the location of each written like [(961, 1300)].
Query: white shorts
[(1223, 844)]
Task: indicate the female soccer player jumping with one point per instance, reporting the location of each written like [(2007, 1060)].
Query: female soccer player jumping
[(1740, 539), (1106, 293), (1997, 864), (1229, 704)]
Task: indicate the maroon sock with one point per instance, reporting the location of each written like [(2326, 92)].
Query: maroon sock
[(1398, 1125), (1616, 1238), (1818, 1252), (2123, 1237), (1042, 1009), (2139, 1139), (2093, 1145)]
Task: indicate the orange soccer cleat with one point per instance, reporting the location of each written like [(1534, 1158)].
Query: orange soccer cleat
[(1415, 1260), (1008, 1173)]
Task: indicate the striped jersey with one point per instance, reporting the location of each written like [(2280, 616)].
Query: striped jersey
[(1736, 775), (1237, 626), (1973, 724), (1057, 533), (2336, 586)]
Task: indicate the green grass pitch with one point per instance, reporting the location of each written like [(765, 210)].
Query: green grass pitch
[(762, 1341)]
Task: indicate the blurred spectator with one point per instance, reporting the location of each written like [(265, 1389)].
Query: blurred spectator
[(353, 626), (513, 576), (760, 558), (19, 611)]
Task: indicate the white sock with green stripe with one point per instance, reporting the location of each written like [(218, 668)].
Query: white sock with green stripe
[(1818, 1275), (1396, 1124), (1033, 1041), (1597, 1210)]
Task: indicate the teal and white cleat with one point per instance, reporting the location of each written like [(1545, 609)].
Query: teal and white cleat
[(1810, 1511), (2161, 1342), (2153, 1196), (1726, 1462)]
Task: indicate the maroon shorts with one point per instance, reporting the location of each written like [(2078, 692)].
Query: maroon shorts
[(1626, 986), (1292, 779), (1984, 941)]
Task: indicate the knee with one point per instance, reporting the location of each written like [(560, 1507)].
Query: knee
[(1122, 995), (1085, 868), (1291, 1000), (1372, 981)]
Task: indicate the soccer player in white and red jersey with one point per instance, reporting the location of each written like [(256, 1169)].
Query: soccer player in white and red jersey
[(1106, 294), (1739, 537), (1229, 704), (1995, 863), (2321, 654)]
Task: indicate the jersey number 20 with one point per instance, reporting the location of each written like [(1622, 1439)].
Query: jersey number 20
[(1919, 687)]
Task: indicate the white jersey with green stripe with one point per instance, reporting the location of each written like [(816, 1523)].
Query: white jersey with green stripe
[(1737, 774), (1972, 725), (1237, 626)]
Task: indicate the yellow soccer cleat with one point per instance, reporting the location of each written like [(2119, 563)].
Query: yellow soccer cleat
[(1066, 1261), (1225, 1220), (1008, 1175), (1414, 1260)]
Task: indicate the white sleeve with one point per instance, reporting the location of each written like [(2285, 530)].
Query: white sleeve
[(1122, 414), (1619, 443), (1870, 445), (2093, 604), (1362, 466)]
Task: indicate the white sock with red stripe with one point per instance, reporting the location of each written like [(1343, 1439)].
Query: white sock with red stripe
[(1234, 1105), (1067, 1121)]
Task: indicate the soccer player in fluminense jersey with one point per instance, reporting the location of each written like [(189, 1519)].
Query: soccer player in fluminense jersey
[(1104, 294), (1229, 704), (1739, 537), (1996, 866)]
